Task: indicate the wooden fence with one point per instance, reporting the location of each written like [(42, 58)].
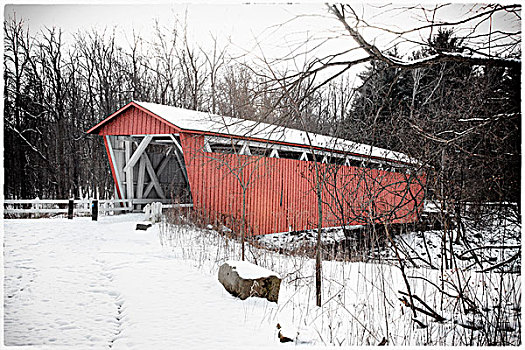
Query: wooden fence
[(82, 207)]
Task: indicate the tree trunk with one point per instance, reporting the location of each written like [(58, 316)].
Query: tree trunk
[(243, 222), (318, 245)]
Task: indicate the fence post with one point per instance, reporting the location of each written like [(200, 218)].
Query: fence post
[(94, 210), (70, 209), (105, 206), (36, 205)]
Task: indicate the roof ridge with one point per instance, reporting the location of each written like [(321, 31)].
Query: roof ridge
[(186, 119)]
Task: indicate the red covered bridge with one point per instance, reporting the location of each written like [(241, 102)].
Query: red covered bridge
[(222, 165)]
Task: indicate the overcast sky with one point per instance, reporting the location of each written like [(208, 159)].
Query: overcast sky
[(244, 25), (272, 29)]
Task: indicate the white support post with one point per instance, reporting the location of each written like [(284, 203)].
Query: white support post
[(148, 189), (182, 167), (274, 153), (116, 166), (129, 172), (162, 165), (180, 155), (245, 149), (304, 156), (207, 147), (154, 180), (119, 151), (130, 163), (140, 180), (178, 145), (159, 170)]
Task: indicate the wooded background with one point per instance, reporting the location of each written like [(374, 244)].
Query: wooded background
[(457, 116)]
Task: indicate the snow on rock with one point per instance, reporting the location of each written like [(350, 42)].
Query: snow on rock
[(248, 270), (244, 279)]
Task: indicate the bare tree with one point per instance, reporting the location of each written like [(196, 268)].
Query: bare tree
[(236, 161), (17, 57), (193, 76), (215, 61)]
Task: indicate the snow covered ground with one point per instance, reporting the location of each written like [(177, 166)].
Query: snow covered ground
[(105, 285)]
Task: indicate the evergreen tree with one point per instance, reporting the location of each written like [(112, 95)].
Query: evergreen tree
[(460, 119)]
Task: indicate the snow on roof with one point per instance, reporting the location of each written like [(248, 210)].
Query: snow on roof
[(206, 122)]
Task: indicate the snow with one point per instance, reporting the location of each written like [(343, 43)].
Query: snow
[(431, 207), (250, 271), (84, 283), (458, 55), (153, 212), (497, 240), (81, 283), (294, 240), (210, 123), (145, 223)]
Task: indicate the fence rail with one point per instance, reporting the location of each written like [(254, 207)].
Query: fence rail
[(81, 206)]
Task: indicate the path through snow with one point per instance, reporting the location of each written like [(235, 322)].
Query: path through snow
[(104, 285)]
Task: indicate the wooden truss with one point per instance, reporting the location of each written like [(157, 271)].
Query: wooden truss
[(125, 158)]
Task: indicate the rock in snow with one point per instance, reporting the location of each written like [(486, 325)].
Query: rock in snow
[(144, 225), (243, 279)]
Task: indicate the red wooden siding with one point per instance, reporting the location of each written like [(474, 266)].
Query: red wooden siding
[(280, 193), (134, 121)]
